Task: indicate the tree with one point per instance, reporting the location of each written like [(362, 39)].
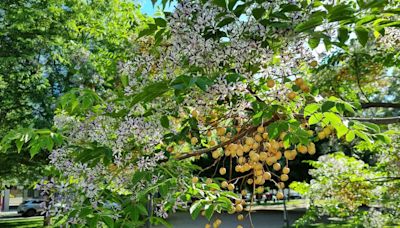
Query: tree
[(49, 47), (216, 79)]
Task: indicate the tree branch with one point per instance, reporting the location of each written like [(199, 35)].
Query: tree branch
[(241, 134), (380, 105), (383, 120)]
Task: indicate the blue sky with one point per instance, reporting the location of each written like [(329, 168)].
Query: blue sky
[(147, 6)]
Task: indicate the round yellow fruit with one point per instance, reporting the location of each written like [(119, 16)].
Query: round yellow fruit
[(299, 81), (221, 131), (239, 208), (240, 217), (249, 141), (195, 180), (224, 184), (195, 114), (194, 140), (267, 175), (270, 83), (327, 131), (258, 138), (207, 226), (222, 171), (216, 154), (250, 181), (276, 166), (313, 63), (321, 135), (209, 181), (231, 187), (279, 195), (302, 149), (260, 189), (292, 95), (260, 129), (239, 226), (284, 177), (286, 170)]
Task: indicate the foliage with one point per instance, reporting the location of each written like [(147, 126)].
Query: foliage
[(49, 47), (213, 78)]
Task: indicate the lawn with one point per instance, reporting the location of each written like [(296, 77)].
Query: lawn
[(22, 222)]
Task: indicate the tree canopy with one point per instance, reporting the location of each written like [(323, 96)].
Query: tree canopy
[(254, 86)]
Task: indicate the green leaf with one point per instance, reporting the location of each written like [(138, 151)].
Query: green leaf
[(310, 24), (258, 12), (362, 35), (220, 3), (375, 128), (164, 121), (340, 12), (137, 176), (343, 34), (226, 21), (315, 118), (332, 118), (327, 105), (195, 209), (160, 22), (341, 130), (19, 144), (108, 221), (311, 109), (203, 83), (142, 209), (350, 136), (209, 211), (313, 42)]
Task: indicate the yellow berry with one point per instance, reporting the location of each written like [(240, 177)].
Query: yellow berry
[(221, 131), (327, 131), (260, 129), (224, 184), (240, 217), (195, 180), (260, 189), (267, 176), (231, 187), (302, 149), (209, 181), (313, 63), (194, 140), (250, 181), (279, 195), (222, 171), (195, 114), (270, 83), (207, 226), (276, 166), (321, 135), (299, 81), (284, 177), (239, 208), (292, 95), (285, 170)]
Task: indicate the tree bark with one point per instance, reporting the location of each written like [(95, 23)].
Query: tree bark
[(380, 105)]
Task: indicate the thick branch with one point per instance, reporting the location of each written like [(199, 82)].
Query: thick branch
[(234, 139), (383, 120), (380, 105), (375, 120)]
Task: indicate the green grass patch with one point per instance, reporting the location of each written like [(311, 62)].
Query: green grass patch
[(22, 222)]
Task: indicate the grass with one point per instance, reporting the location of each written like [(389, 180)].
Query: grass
[(22, 222)]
